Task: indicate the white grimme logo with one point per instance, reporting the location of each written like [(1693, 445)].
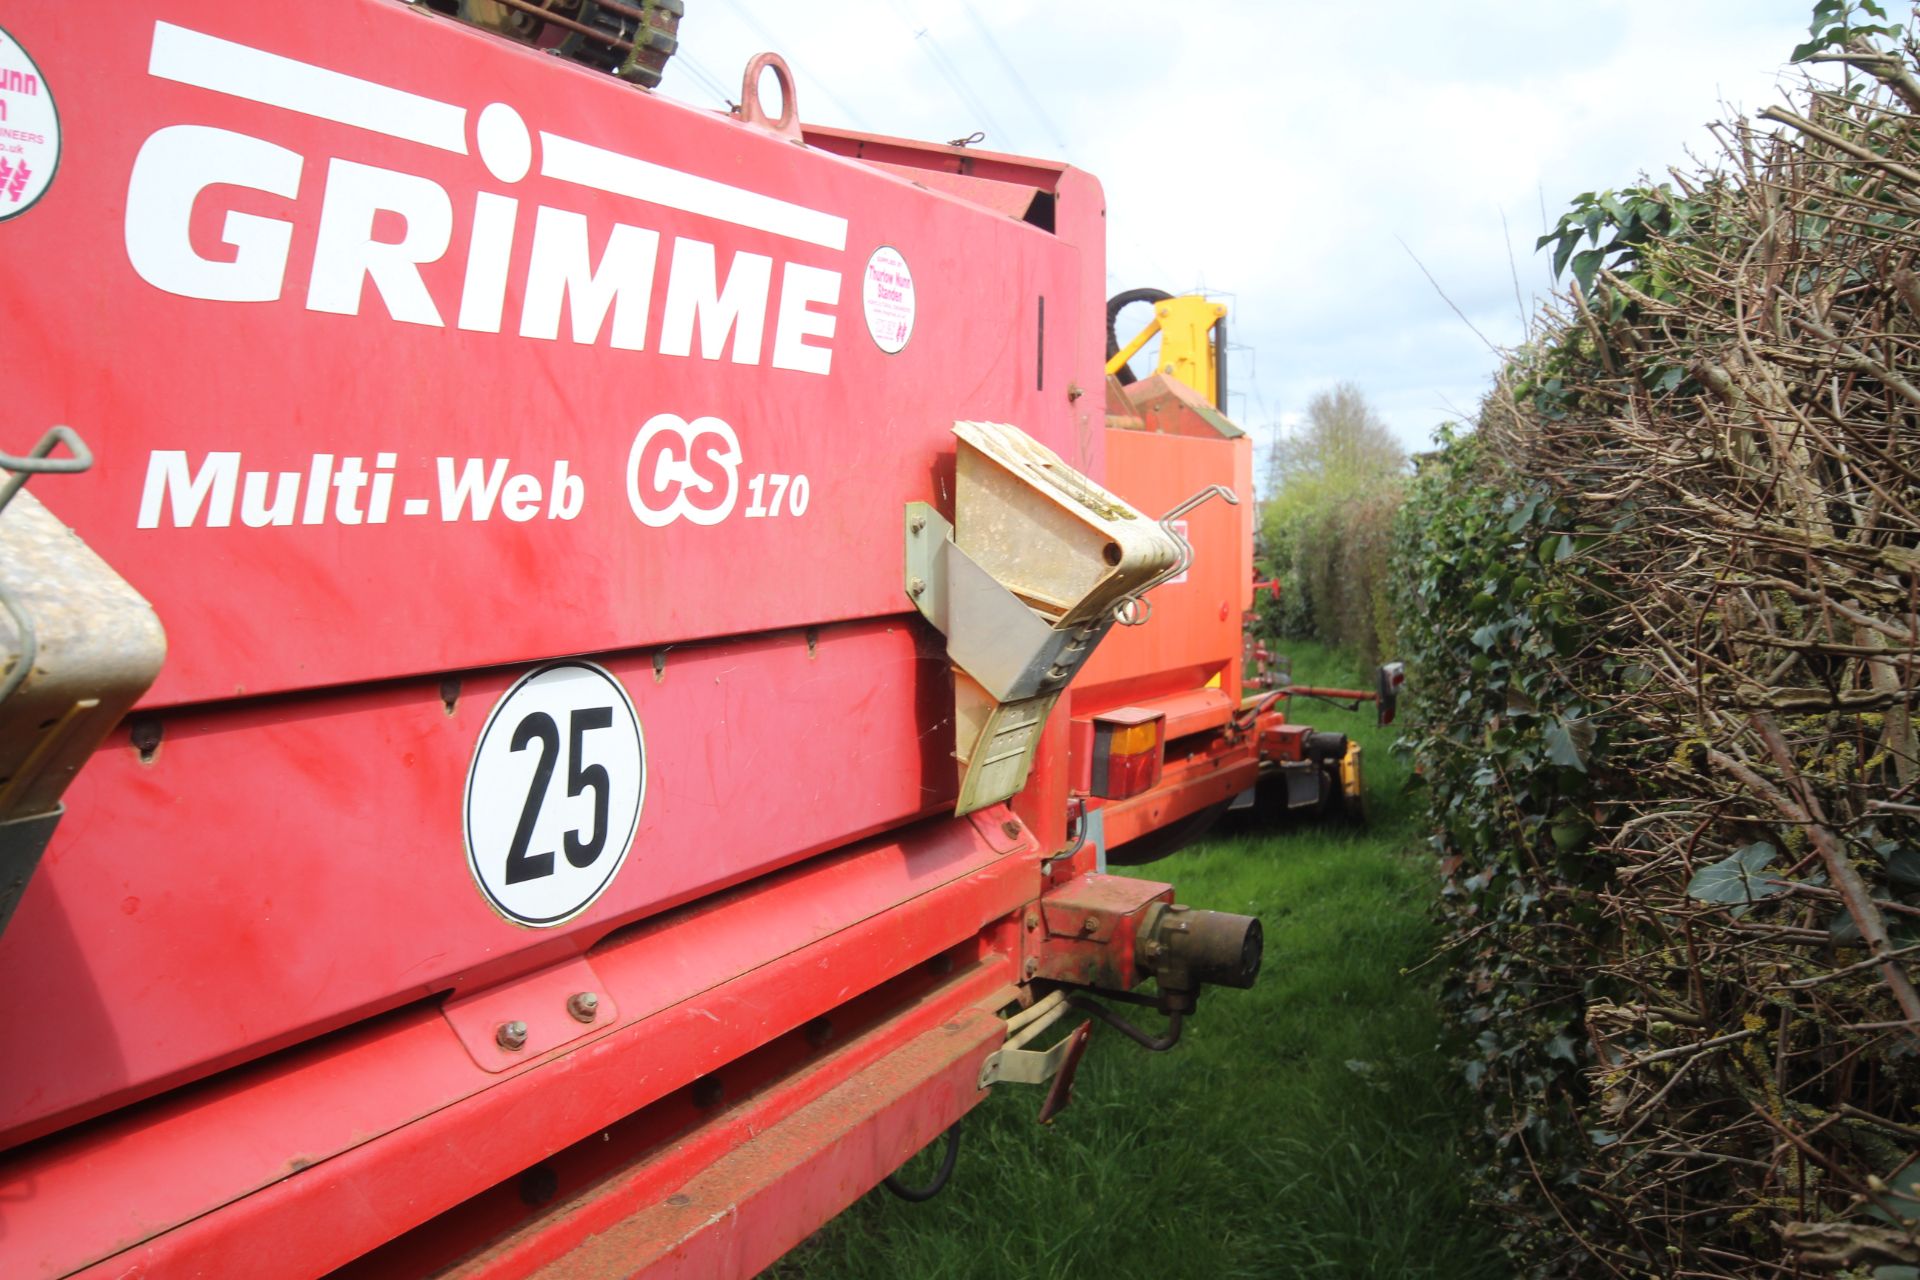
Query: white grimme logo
[(702, 309)]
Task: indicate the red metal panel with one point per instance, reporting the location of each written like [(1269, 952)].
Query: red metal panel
[(281, 867), (1192, 712), (1187, 787), (111, 272), (362, 183), (1194, 633), (1079, 219), (756, 1166), (1093, 922), (1285, 742), (393, 1122), (767, 1195)]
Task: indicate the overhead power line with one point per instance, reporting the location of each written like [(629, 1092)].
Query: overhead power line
[(815, 84), (930, 45), (702, 77), (1019, 81), (944, 65)]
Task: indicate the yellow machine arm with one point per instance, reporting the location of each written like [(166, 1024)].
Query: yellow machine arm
[(1193, 341)]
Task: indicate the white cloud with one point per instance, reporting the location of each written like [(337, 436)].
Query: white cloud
[(1275, 150)]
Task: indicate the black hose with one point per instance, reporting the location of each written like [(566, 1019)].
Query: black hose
[(1152, 1044), (941, 1176), (1115, 305)]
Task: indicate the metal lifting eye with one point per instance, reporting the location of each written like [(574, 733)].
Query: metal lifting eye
[(753, 109), (1134, 611)]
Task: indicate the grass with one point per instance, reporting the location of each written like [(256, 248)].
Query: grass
[(1303, 1128)]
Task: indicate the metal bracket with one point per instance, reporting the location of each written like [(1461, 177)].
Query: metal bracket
[(504, 1026), (1014, 1063), (22, 841), (1047, 554), (926, 584), (991, 634)]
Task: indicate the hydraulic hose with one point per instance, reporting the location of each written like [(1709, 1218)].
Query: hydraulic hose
[(941, 1176)]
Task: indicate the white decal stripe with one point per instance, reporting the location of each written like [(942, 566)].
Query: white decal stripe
[(208, 62), (589, 166)]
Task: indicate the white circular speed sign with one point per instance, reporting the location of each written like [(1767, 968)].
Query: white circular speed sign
[(554, 793)]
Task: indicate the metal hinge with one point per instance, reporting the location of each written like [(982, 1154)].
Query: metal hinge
[(1014, 1063)]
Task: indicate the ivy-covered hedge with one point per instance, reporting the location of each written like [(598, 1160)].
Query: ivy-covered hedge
[(1489, 592), (1661, 610)]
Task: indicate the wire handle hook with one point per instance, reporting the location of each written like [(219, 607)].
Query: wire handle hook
[(1134, 610)]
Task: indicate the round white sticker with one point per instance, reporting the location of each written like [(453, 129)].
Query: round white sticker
[(29, 130), (554, 793), (887, 294)]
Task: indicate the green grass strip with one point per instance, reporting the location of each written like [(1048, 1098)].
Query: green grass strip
[(1304, 1128)]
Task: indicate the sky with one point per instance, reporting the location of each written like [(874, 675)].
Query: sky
[(1301, 162)]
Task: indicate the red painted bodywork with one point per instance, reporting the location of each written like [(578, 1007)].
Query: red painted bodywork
[(1286, 741), (1092, 923), (253, 984)]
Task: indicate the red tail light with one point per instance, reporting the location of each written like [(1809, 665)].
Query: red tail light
[(1119, 753)]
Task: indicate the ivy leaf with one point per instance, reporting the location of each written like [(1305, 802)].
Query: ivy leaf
[(1570, 829), (1562, 749), (1524, 516), (1738, 878), (1903, 868), (1903, 931), (1586, 264), (1568, 243), (1901, 1199)]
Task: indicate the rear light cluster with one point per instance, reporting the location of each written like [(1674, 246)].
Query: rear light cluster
[(1119, 753), (1387, 682)]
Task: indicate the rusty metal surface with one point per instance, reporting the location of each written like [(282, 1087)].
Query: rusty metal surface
[(1168, 405), (1089, 928), (1060, 1092), (750, 1206), (1186, 948), (1285, 742)]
